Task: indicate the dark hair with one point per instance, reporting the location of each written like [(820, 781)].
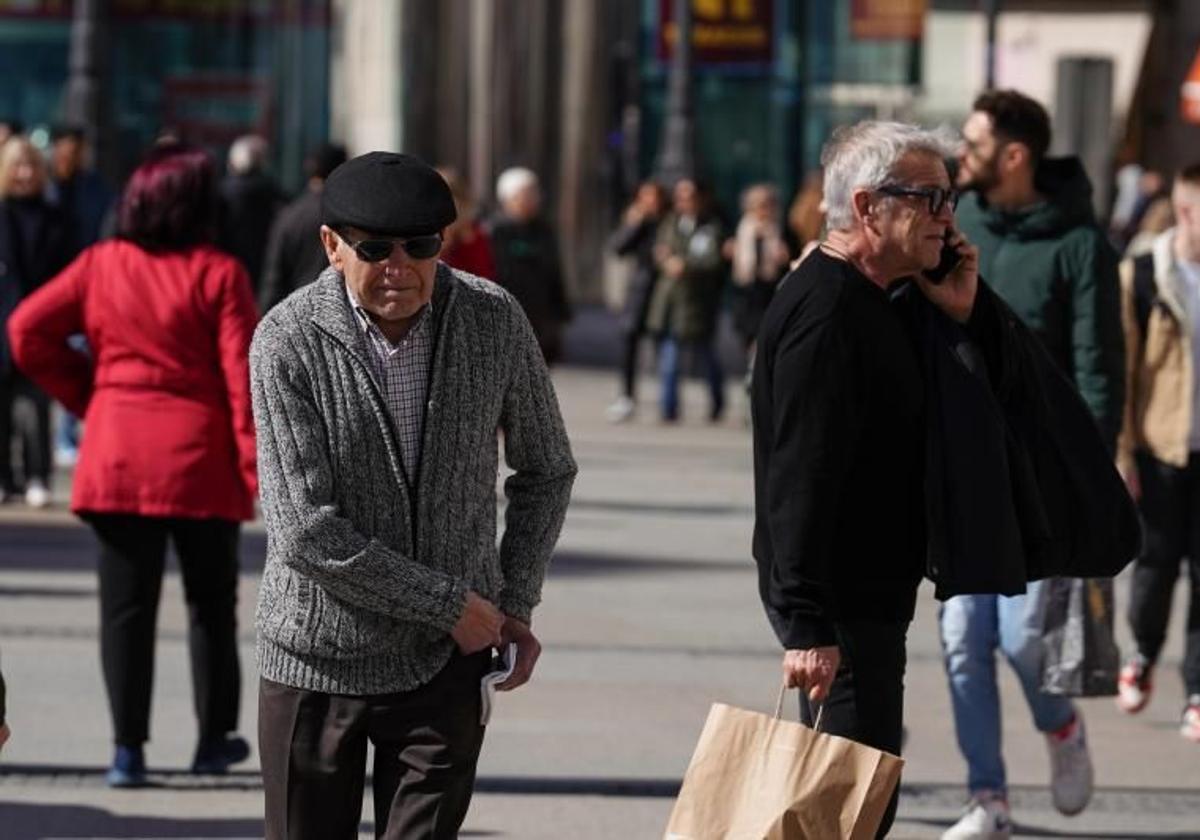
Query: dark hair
[(63, 131), (170, 200), (1017, 118), (324, 159), (15, 126), (1189, 175)]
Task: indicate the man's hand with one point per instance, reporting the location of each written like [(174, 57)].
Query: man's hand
[(811, 670), (1133, 481), (956, 294), (4, 733), (528, 651), (479, 625), (674, 266)]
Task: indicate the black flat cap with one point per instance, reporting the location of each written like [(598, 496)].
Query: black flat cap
[(389, 194)]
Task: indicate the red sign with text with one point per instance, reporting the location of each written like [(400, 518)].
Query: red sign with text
[(723, 31), (901, 20)]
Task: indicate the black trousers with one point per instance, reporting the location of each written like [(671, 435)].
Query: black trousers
[(133, 552), (631, 341), (1170, 507), (866, 702), (314, 749), (25, 411)]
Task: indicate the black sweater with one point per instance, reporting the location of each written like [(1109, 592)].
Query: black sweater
[(838, 404)]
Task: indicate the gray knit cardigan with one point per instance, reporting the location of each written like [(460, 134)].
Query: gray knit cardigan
[(365, 575)]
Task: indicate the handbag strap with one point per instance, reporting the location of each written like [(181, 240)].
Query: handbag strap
[(779, 708)]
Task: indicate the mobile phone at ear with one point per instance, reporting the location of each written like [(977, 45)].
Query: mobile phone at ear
[(947, 262)]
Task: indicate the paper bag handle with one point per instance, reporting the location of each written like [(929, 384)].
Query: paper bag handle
[(779, 707)]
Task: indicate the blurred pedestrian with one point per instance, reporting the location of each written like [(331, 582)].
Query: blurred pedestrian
[(1159, 450), (9, 128), (528, 265), (635, 237), (1044, 254), (467, 245), (806, 216), (1152, 188), (78, 190), (687, 295), (1158, 218), (378, 393), (35, 243), (169, 450), (250, 201), (759, 251), (295, 255), (87, 202)]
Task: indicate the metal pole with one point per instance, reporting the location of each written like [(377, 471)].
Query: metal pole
[(87, 94), (991, 10), (677, 154)]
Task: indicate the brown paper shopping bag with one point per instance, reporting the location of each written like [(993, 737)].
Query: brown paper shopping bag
[(757, 777)]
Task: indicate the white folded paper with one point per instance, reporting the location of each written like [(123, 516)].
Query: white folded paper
[(503, 666)]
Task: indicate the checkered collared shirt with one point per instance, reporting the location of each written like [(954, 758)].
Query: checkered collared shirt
[(402, 371)]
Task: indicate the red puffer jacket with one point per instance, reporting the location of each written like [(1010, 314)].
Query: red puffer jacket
[(165, 396)]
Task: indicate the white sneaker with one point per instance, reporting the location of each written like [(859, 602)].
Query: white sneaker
[(36, 494), (621, 410), (986, 818), (1070, 767)]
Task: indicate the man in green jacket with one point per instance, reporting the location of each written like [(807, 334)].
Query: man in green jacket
[(1041, 250)]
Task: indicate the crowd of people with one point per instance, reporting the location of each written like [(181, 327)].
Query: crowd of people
[(347, 357)]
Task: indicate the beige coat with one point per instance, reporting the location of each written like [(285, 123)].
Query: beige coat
[(1160, 378)]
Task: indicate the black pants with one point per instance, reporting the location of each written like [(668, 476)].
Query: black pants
[(133, 551), (1170, 507), (25, 411), (427, 741), (631, 342), (866, 702)]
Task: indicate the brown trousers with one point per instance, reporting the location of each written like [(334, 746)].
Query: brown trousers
[(314, 750)]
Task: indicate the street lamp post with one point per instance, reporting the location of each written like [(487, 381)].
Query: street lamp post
[(991, 9), (677, 152), (86, 92)]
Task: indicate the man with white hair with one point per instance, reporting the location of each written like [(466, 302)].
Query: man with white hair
[(838, 411), (527, 258), (250, 200)]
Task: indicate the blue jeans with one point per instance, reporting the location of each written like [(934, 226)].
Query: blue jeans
[(670, 360), (972, 628)]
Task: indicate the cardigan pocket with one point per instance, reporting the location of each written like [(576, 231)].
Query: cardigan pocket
[(337, 630)]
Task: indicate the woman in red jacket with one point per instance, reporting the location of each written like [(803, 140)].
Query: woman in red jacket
[(168, 448)]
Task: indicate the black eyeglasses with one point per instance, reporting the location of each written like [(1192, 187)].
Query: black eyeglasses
[(938, 197), (378, 250)]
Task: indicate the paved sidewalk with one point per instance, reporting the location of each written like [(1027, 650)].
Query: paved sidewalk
[(650, 615)]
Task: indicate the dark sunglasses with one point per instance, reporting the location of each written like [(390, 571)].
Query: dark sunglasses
[(938, 197), (378, 250)]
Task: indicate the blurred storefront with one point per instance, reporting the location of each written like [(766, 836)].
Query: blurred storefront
[(773, 77), (208, 70)]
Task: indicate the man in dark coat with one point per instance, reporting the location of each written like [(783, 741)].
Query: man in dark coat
[(527, 258), (838, 406), (295, 255), (250, 200)]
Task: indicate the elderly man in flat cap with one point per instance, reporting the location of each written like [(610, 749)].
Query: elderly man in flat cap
[(380, 392)]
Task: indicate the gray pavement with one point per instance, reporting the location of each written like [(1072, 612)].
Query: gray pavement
[(650, 615)]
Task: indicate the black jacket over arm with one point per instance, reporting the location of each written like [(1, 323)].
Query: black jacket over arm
[(838, 455)]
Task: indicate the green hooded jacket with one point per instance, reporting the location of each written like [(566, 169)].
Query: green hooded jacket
[(1053, 265)]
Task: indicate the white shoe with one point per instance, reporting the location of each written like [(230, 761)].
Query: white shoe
[(986, 818), (621, 410), (1070, 767), (36, 494)]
